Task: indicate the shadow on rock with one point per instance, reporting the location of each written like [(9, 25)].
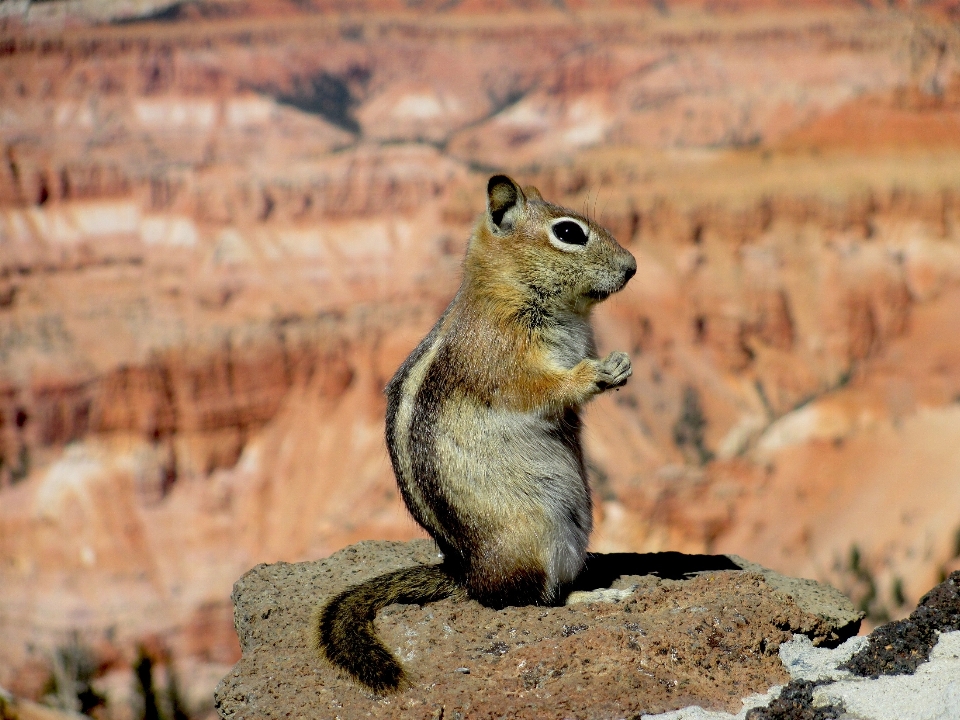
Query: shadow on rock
[(603, 569)]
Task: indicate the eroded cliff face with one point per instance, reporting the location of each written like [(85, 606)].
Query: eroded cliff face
[(222, 229)]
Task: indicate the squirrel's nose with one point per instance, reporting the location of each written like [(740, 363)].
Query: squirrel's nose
[(630, 269)]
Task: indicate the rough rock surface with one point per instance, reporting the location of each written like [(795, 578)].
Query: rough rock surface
[(904, 670), (684, 630), (930, 693), (898, 648)]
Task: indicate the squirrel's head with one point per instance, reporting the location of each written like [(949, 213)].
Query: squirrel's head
[(558, 254)]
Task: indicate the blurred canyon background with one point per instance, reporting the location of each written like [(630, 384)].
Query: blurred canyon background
[(224, 224)]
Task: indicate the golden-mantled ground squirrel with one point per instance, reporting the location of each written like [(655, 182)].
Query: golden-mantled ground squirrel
[(483, 425)]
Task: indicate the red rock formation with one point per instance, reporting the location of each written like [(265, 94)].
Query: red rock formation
[(222, 230)]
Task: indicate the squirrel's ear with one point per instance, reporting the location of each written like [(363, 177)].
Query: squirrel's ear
[(504, 199), (532, 193)]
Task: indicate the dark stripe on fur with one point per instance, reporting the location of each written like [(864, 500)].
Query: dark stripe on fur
[(345, 632), (439, 384), (394, 393)]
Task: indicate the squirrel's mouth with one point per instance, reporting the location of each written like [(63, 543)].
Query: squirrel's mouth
[(600, 294)]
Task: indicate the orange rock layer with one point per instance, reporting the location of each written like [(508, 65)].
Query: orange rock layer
[(222, 229)]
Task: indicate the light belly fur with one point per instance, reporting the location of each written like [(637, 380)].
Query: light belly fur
[(519, 480)]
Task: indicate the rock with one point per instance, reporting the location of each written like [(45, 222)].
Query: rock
[(930, 693), (795, 702), (674, 630), (897, 674), (804, 662), (899, 647)]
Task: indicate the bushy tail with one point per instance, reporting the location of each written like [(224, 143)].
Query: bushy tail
[(344, 628)]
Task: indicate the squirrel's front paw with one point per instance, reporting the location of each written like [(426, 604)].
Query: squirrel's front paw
[(614, 370)]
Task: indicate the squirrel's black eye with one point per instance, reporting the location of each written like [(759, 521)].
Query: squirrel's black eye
[(569, 232)]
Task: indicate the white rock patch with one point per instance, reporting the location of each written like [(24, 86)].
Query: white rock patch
[(805, 662), (698, 713), (932, 693)]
